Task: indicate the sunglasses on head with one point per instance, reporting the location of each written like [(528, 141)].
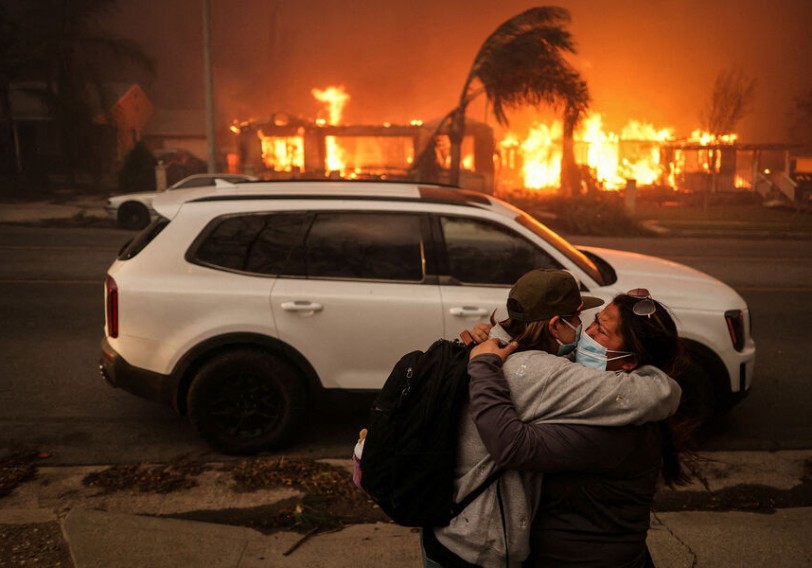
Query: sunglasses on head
[(644, 306)]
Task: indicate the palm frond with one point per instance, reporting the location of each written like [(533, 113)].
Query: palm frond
[(528, 70), (522, 64), (552, 17), (548, 20)]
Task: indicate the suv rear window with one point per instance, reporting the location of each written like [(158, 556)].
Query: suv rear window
[(262, 244), (349, 245)]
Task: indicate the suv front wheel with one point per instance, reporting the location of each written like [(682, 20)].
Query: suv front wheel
[(245, 401)]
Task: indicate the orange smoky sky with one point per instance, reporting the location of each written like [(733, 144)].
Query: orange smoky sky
[(654, 61)]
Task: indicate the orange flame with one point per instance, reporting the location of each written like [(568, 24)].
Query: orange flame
[(532, 163), (613, 158), (541, 151), (707, 160), (282, 153), (706, 138), (335, 98)]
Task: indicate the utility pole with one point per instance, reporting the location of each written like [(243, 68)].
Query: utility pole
[(210, 132)]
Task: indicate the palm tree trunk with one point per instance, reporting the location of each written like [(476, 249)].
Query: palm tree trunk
[(456, 132), (570, 179)]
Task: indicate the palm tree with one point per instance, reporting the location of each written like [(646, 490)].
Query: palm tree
[(68, 52), (522, 64)]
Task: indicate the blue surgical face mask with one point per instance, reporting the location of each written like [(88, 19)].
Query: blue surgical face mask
[(590, 353), (566, 348)]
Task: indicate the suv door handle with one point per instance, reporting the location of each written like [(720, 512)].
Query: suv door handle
[(302, 306), (468, 311)]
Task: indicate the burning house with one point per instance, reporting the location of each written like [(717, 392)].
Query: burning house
[(287, 147), (647, 156), (284, 147)]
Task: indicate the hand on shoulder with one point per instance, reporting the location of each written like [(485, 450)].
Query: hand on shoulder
[(492, 346)]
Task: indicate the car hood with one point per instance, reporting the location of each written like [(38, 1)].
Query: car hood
[(675, 285)]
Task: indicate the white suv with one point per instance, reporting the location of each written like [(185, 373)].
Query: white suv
[(237, 304)]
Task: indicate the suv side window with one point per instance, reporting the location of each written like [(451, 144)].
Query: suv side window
[(262, 244), (378, 246), (479, 252)]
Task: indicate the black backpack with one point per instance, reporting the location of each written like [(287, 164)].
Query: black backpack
[(410, 452)]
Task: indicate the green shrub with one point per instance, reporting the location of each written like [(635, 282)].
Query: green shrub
[(138, 171)]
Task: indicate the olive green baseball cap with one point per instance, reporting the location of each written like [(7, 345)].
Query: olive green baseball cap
[(546, 292)]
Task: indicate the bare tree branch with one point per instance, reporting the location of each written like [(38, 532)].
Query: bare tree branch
[(731, 100)]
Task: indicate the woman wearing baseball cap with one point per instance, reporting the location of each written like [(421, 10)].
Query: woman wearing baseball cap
[(544, 309), (599, 483)]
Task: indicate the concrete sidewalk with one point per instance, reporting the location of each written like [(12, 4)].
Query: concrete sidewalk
[(677, 540), (46, 210), (125, 529)]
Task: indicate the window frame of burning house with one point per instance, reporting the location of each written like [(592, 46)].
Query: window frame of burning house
[(475, 257)]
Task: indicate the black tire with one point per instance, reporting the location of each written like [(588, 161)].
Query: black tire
[(698, 402), (133, 215), (245, 401)]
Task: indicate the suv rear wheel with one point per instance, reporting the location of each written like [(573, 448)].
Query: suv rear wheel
[(245, 401)]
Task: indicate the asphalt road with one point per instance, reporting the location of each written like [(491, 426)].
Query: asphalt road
[(53, 400)]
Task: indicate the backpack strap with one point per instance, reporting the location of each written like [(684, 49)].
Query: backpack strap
[(458, 508)]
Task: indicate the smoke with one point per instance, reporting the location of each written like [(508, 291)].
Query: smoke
[(653, 61)]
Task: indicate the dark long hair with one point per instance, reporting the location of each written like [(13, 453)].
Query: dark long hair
[(654, 341), (529, 335)]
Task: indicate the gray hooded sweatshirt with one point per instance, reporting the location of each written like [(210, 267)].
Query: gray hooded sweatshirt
[(544, 388)]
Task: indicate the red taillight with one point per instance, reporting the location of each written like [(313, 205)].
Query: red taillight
[(112, 306)]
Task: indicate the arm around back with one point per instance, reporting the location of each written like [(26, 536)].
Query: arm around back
[(555, 389), (569, 394)]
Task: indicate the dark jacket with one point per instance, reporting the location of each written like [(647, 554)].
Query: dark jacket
[(599, 481)]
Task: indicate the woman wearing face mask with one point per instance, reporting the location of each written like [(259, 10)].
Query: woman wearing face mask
[(598, 483), (543, 308)]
